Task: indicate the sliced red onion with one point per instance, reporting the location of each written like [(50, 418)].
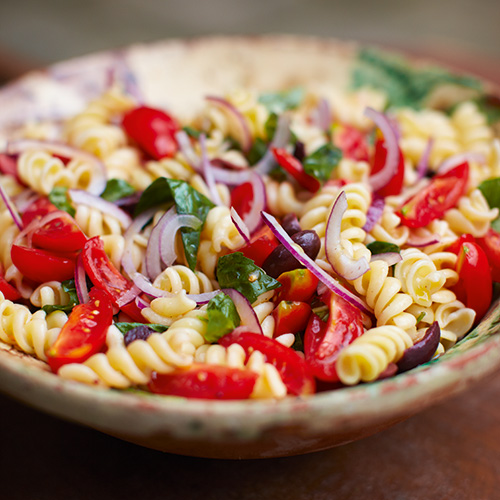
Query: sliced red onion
[(106, 207), (129, 201), (374, 213), (81, 281), (153, 257), (11, 208), (98, 182), (322, 115), (280, 140), (390, 257), (423, 164), (422, 351), (382, 177), (252, 219), (418, 241), (245, 134), (245, 310), (345, 266), (187, 150), (222, 163), (240, 225), (24, 199), (457, 159), (38, 223), (231, 177), (141, 302), (208, 174), (322, 275)]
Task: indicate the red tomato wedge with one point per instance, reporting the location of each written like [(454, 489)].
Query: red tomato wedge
[(205, 382), (323, 341), (60, 235), (42, 265), (84, 334), (294, 371), (8, 291), (298, 284), (153, 130), (37, 210), (351, 141), (241, 198), (440, 195), (293, 166), (395, 185), (290, 317), (262, 243), (490, 244), (474, 287), (104, 274)]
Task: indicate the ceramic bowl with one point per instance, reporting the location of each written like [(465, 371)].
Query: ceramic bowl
[(177, 74)]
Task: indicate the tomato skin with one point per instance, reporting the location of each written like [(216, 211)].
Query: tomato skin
[(490, 243), (474, 287), (42, 265), (294, 371), (8, 291), (456, 246), (84, 334), (241, 198), (323, 341), (432, 201), (293, 166), (290, 317), (395, 185), (296, 285), (205, 382), (8, 166), (37, 210), (262, 243), (133, 311), (59, 235), (104, 274), (351, 141), (153, 130)]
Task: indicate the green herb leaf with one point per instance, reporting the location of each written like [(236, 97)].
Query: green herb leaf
[(69, 287), (237, 271), (272, 124), (491, 191), (117, 189), (222, 317), (421, 316), (277, 102), (126, 327), (489, 105), (187, 201), (376, 247), (298, 343), (403, 84), (59, 197), (321, 163), (195, 134), (257, 151)]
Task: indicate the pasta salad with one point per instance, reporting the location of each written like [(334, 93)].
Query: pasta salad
[(276, 244)]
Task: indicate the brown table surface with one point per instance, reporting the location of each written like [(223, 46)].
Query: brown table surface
[(450, 451)]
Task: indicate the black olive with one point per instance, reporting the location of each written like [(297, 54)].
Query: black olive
[(291, 224)]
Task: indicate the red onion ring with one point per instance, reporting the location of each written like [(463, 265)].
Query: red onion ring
[(24, 199), (322, 115), (81, 281), (11, 208), (240, 225), (208, 174), (374, 213), (245, 310), (252, 219), (423, 164), (231, 177), (84, 198), (382, 177), (453, 161), (322, 275), (342, 264), (187, 149), (222, 163), (422, 241), (98, 183), (245, 134), (390, 257)]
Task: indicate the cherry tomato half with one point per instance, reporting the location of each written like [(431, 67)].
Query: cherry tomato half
[(42, 265), (153, 130), (351, 141), (37, 210), (104, 274), (8, 291), (490, 244), (84, 334), (323, 341), (290, 317), (298, 284), (205, 382), (441, 194), (241, 198), (395, 185), (60, 235), (294, 371), (262, 243), (293, 166)]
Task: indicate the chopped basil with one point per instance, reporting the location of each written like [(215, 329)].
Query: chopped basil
[(489, 105), (59, 197), (271, 125), (187, 201), (321, 163), (126, 327), (69, 287), (403, 84), (116, 189), (376, 247), (420, 317), (298, 343), (222, 317), (491, 191), (195, 134), (257, 151), (277, 102), (237, 271)]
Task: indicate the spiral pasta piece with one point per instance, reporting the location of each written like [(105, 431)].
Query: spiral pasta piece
[(178, 277), (370, 354), (49, 293), (390, 229), (282, 198), (220, 230)]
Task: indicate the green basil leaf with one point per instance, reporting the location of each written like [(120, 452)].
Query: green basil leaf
[(376, 247), (237, 271), (489, 105), (69, 287), (271, 125), (257, 151), (59, 197), (116, 189), (195, 134), (404, 85), (187, 201), (277, 102), (321, 163), (126, 327), (491, 191), (222, 317)]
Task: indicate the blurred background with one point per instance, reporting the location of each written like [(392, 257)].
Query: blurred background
[(38, 32)]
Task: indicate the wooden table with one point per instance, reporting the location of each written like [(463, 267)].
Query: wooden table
[(451, 451)]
